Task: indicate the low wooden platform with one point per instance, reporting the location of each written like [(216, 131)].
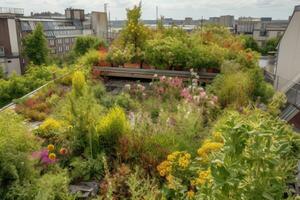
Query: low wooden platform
[(149, 73)]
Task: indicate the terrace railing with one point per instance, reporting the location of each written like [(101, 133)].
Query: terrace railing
[(16, 11)]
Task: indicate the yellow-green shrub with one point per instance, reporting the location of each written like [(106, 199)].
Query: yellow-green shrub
[(111, 127)]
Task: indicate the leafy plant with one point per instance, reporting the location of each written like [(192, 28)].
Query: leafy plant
[(36, 47)]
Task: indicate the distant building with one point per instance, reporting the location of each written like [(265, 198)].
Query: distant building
[(267, 29), (245, 25), (60, 32), (287, 71), (227, 20), (188, 21), (214, 20), (10, 49)]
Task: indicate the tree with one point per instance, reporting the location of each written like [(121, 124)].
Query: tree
[(84, 43), (36, 47), (270, 45), (134, 32), (250, 43)]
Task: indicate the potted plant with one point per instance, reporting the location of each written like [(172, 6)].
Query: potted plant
[(118, 57)]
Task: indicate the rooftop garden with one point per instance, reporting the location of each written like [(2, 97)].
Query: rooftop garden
[(169, 139)]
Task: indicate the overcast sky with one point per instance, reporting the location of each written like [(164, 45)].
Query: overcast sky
[(178, 9)]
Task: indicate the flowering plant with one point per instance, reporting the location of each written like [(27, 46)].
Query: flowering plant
[(249, 156)]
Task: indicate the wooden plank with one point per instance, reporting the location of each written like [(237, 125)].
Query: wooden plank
[(149, 73)]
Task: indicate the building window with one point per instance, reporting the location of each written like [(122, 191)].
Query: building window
[(67, 40), (51, 42), (67, 48), (2, 53), (59, 41), (60, 49)]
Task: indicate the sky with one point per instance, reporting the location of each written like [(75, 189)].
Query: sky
[(177, 9)]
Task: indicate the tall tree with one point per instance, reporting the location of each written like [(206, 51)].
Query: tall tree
[(134, 33), (36, 46)]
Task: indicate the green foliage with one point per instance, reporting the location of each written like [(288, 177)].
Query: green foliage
[(207, 56), (238, 87), (270, 45), (2, 75), (261, 89), (53, 187), (84, 44), (250, 43), (17, 86), (250, 156), (176, 53), (119, 57), (87, 169), (233, 89), (15, 148), (36, 46), (255, 145), (50, 186), (278, 101), (141, 188), (88, 60), (134, 33), (111, 127)]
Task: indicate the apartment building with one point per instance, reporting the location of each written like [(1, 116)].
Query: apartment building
[(9, 41), (287, 71), (227, 20), (61, 33), (245, 25), (267, 29)]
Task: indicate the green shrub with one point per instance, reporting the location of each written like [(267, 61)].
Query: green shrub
[(118, 56), (142, 187), (233, 89), (175, 53), (207, 56), (244, 147), (126, 102), (15, 148), (87, 169), (84, 44), (111, 127), (88, 60)]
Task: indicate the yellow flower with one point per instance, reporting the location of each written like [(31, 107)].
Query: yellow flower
[(217, 136), (50, 124), (203, 176), (52, 156), (50, 147), (207, 148), (173, 156), (164, 168), (190, 194), (184, 161)]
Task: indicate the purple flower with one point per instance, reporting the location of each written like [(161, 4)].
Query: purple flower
[(43, 156)]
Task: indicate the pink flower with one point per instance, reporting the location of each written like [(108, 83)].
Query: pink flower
[(162, 79), (43, 156), (202, 95), (185, 92)]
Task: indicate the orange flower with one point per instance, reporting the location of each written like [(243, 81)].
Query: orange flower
[(63, 151), (52, 156), (50, 147)]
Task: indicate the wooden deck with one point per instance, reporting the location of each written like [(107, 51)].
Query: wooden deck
[(149, 73)]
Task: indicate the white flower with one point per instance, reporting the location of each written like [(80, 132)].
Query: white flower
[(155, 76), (127, 87)]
